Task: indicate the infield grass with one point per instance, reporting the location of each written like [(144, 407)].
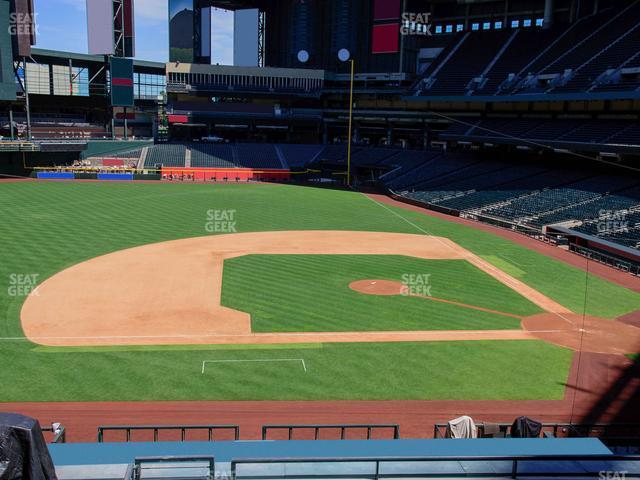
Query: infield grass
[(307, 293), (48, 226)]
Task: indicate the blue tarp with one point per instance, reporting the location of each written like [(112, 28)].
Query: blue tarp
[(57, 175), (115, 176)]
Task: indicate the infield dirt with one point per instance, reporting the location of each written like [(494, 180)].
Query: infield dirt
[(169, 293)]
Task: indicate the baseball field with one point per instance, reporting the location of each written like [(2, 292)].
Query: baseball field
[(132, 292)]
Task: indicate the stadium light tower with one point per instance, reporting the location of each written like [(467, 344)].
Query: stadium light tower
[(345, 56)]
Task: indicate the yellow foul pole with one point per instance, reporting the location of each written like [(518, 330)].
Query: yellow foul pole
[(350, 124)]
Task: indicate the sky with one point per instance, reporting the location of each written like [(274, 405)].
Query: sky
[(62, 25)]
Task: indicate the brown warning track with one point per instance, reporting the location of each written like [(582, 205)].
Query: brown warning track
[(15, 180)]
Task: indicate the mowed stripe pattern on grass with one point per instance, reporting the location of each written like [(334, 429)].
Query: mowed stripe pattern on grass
[(307, 293), (514, 370), (48, 226)]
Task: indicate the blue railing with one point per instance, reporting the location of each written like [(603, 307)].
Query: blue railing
[(171, 467), (156, 429), (596, 466), (343, 428)]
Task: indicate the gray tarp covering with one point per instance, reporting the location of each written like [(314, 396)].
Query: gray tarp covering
[(23, 451), (462, 427)]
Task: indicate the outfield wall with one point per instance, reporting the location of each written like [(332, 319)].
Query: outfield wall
[(230, 174), (22, 163), (69, 175)]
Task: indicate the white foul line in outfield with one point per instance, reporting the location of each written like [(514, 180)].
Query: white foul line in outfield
[(417, 227), (304, 365), (420, 229)]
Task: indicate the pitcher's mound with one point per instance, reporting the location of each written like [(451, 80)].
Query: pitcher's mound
[(377, 287)]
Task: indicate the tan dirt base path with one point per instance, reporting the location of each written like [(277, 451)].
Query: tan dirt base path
[(587, 334), (169, 292)]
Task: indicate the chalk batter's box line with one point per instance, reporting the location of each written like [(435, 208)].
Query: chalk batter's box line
[(301, 360)]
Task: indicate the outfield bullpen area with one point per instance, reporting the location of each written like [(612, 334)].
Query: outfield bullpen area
[(319, 295)]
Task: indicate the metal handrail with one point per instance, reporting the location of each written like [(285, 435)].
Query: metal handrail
[(19, 147), (134, 470), (577, 429), (343, 427), (377, 461), (157, 428), (59, 437)]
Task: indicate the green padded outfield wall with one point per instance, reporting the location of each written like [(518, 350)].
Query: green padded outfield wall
[(7, 82)]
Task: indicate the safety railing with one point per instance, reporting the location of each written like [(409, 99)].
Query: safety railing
[(156, 429), (342, 428), (171, 467), (59, 433), (551, 466), (610, 260), (502, 429), (598, 430), (18, 147)]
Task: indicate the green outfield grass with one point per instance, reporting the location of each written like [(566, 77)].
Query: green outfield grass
[(48, 226), (307, 293), (380, 371)]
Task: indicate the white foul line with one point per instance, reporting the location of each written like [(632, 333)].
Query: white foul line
[(304, 365), (420, 229)]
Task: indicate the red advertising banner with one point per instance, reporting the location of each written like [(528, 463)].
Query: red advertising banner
[(385, 38)]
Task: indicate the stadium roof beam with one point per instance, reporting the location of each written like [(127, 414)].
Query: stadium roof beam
[(54, 57)]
